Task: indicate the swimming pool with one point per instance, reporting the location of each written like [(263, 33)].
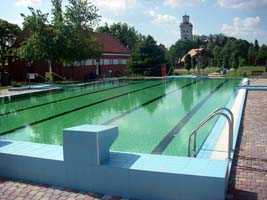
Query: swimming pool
[(153, 116)]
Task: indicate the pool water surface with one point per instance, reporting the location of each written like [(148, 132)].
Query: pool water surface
[(153, 116)]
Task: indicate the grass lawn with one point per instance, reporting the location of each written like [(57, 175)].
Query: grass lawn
[(203, 72), (245, 71)]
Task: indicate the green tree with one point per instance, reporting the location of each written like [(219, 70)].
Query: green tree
[(225, 61), (126, 34), (251, 55), (188, 62), (8, 37), (147, 57), (194, 62), (60, 32), (241, 61), (38, 46), (234, 61), (217, 58), (81, 17), (256, 46), (262, 55), (180, 48)]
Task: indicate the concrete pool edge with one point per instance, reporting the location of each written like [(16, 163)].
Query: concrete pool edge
[(128, 175), (208, 149), (87, 165)]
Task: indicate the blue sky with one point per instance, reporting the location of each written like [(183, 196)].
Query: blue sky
[(246, 19)]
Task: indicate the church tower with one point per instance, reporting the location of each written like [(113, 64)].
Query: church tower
[(186, 28)]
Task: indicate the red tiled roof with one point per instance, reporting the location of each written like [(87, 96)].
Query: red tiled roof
[(110, 44)]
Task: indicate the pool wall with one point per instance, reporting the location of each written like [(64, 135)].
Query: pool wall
[(84, 163), (237, 106)]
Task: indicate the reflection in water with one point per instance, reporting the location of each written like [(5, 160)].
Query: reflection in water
[(188, 98), (95, 114), (141, 127)]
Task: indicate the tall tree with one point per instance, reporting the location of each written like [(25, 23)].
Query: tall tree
[(180, 48), (234, 61), (256, 46), (188, 62), (262, 55), (59, 32), (217, 57), (126, 34), (81, 17), (39, 44), (82, 14), (8, 36), (251, 55), (148, 57)]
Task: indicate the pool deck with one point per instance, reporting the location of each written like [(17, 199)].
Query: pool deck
[(5, 93), (249, 174)]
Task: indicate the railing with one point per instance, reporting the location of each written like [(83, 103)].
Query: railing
[(60, 77), (225, 112)]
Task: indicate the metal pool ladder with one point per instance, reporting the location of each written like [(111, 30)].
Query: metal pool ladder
[(225, 112)]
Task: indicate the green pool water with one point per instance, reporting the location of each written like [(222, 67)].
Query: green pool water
[(153, 116)]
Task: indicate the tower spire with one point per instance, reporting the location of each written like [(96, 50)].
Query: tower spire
[(186, 28)]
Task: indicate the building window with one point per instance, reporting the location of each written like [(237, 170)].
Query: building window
[(123, 61), (107, 62), (115, 61), (76, 64), (89, 62)]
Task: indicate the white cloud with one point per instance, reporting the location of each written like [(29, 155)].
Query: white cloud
[(242, 4), (180, 3), (27, 2), (114, 5), (162, 18), (248, 28)]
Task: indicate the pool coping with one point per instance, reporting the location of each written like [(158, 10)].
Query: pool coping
[(209, 145), (7, 97)]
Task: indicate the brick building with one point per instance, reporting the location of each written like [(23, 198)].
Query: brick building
[(113, 62)]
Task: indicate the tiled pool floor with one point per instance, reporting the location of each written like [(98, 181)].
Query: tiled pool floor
[(249, 175)]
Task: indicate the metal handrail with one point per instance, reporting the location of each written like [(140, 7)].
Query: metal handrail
[(57, 75), (230, 118)]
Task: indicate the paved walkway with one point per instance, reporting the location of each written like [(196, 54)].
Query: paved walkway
[(249, 174), (10, 190)]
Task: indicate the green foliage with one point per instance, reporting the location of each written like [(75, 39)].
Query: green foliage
[(81, 17), (217, 56), (126, 34), (234, 61), (81, 14), (194, 62), (68, 38), (179, 49), (256, 46), (39, 45), (262, 55), (241, 61), (57, 13), (8, 36), (251, 55), (244, 71), (188, 62), (147, 57)]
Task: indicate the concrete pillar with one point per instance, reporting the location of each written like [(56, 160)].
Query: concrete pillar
[(88, 144)]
